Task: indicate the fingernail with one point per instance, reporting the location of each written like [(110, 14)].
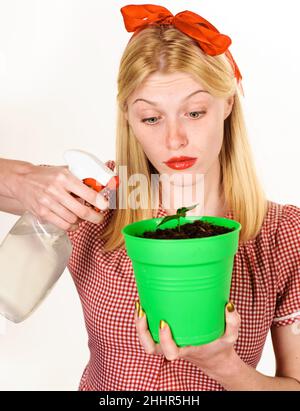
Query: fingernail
[(230, 307), (101, 202), (96, 219), (162, 324), (141, 313), (74, 227), (137, 306)]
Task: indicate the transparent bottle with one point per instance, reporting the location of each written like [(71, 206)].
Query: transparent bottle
[(34, 255)]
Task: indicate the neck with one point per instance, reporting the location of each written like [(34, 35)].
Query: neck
[(204, 190)]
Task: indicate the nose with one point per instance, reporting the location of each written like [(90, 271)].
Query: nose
[(176, 136)]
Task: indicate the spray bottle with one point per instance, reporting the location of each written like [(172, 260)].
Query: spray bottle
[(34, 255)]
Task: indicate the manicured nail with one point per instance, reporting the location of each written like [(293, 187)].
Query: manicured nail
[(73, 227), (97, 219), (162, 324), (101, 202), (230, 307), (141, 313), (137, 306)]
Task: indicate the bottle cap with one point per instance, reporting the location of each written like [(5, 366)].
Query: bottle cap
[(88, 167)]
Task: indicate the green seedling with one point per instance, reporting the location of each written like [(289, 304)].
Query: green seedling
[(181, 212)]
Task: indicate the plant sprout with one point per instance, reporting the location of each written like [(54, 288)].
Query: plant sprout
[(181, 212)]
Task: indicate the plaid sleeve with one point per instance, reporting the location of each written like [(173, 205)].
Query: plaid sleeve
[(287, 263)]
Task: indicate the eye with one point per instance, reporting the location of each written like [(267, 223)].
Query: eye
[(147, 120), (198, 113)]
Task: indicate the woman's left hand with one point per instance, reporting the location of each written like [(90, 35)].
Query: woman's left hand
[(207, 356)]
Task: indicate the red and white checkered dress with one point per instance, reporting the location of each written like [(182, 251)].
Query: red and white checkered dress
[(265, 289)]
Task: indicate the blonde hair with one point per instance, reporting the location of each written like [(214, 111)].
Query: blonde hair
[(165, 49)]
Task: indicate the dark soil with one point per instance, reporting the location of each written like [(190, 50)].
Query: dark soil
[(197, 229)]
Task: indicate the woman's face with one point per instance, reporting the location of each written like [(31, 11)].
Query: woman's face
[(179, 118)]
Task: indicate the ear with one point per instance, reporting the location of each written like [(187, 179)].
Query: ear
[(228, 106)]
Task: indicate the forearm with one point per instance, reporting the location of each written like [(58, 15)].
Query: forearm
[(12, 206), (11, 172), (239, 376)]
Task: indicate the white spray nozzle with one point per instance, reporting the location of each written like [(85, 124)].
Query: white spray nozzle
[(85, 165)]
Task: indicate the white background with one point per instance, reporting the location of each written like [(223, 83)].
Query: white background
[(58, 70)]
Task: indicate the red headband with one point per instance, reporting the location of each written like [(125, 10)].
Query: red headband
[(210, 40)]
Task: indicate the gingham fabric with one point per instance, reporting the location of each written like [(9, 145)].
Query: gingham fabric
[(265, 289)]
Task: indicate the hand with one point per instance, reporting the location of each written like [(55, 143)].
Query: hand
[(48, 193), (207, 356)]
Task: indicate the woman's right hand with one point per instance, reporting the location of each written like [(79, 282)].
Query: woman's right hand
[(48, 193)]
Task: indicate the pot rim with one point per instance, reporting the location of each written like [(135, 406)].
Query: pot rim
[(237, 228)]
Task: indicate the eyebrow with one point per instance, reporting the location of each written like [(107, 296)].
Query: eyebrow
[(155, 104)]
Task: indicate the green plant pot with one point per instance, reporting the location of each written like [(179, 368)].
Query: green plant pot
[(183, 282)]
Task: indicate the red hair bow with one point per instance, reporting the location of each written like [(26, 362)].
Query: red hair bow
[(210, 40)]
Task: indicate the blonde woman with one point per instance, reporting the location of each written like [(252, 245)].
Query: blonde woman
[(179, 96), (176, 100)]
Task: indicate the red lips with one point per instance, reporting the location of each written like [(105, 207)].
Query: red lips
[(180, 163), (181, 158)]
